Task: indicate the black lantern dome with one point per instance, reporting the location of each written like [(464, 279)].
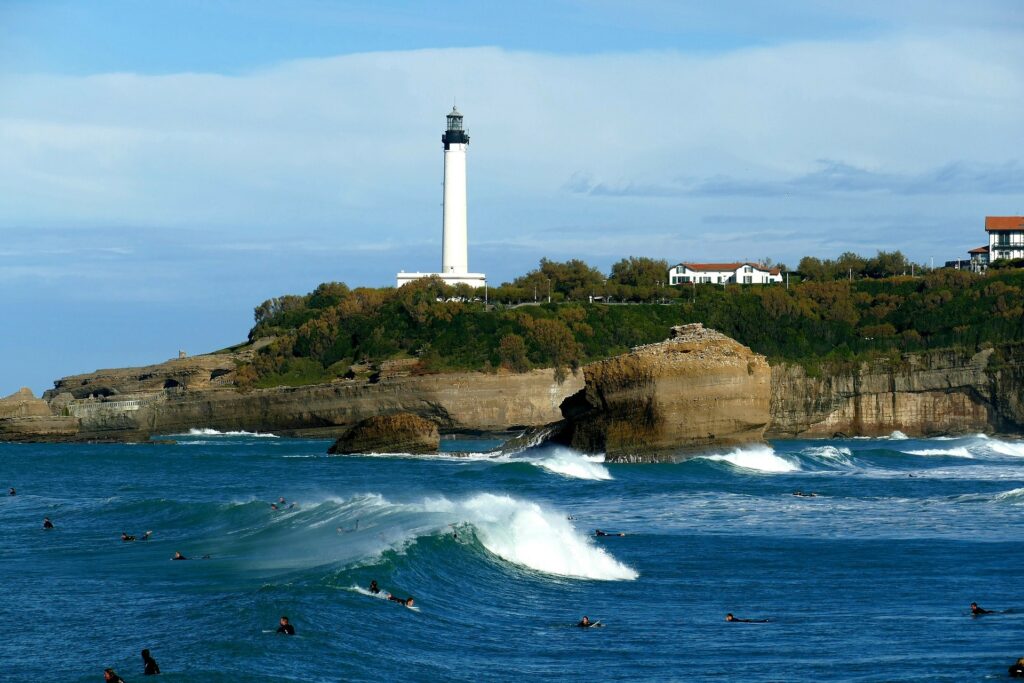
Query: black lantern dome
[(454, 134)]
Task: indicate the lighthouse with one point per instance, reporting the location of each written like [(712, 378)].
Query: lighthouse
[(454, 223)]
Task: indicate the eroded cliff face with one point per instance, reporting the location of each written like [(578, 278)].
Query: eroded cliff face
[(926, 394), (696, 391), (133, 403), (662, 401)]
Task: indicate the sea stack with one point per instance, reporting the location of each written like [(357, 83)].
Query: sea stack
[(697, 390)]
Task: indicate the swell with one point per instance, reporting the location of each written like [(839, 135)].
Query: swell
[(362, 529)]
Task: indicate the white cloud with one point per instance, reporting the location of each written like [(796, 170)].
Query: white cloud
[(348, 148)]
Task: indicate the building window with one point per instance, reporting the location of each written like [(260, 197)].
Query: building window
[(684, 278), (747, 279)]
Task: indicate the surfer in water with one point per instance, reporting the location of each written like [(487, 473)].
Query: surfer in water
[(12, 492), (1017, 670), (111, 676), (599, 532), (47, 524), (149, 665), (374, 588), (977, 611), (801, 494), (730, 617), (145, 536), (408, 602), (585, 622), (126, 538), (285, 628), (178, 556)]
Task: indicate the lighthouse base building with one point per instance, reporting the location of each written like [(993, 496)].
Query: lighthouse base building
[(455, 249)]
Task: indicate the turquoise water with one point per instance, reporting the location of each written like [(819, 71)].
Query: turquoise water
[(869, 580)]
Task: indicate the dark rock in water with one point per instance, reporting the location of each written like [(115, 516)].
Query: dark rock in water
[(396, 433)]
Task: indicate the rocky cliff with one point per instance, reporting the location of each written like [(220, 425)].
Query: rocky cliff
[(696, 390), (173, 397), (925, 394)]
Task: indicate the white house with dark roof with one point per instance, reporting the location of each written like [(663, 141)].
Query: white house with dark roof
[(743, 273)]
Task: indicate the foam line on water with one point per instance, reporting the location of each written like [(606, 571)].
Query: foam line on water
[(954, 452), (756, 458), (206, 431)]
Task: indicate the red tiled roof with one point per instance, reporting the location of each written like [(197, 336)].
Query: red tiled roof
[(996, 223), (979, 250)]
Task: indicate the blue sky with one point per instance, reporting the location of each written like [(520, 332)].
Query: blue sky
[(166, 166)]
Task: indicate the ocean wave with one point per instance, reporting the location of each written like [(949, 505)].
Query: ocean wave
[(360, 529), (955, 452), (524, 533), (829, 455), (555, 459), (1014, 495), (205, 431), (1012, 448), (757, 458), (572, 464)]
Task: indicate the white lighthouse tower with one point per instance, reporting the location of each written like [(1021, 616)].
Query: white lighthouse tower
[(455, 236)]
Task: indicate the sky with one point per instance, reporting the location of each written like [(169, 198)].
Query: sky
[(167, 166)]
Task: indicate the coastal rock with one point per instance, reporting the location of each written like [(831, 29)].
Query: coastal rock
[(922, 394), (662, 401), (456, 402), (398, 433), (23, 403)]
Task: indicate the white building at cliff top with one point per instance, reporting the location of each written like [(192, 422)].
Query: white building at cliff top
[(455, 247)]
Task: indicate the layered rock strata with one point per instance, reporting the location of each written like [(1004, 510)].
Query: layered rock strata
[(663, 401), (924, 394)]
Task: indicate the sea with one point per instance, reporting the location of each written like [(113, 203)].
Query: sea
[(868, 579)]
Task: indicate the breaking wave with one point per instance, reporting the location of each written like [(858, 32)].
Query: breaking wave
[(359, 530), (205, 431), (757, 458), (575, 465), (955, 452)]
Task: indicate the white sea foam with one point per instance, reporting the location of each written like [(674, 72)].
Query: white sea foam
[(206, 431), (1014, 448), (558, 460), (955, 452), (758, 458), (897, 435), (1012, 495), (524, 533), (575, 465)]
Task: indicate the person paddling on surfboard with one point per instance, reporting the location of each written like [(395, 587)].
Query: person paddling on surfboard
[(730, 617), (599, 532), (374, 588), (585, 622), (978, 611), (408, 602)]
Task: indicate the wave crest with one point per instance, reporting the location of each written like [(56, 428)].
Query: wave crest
[(757, 458)]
